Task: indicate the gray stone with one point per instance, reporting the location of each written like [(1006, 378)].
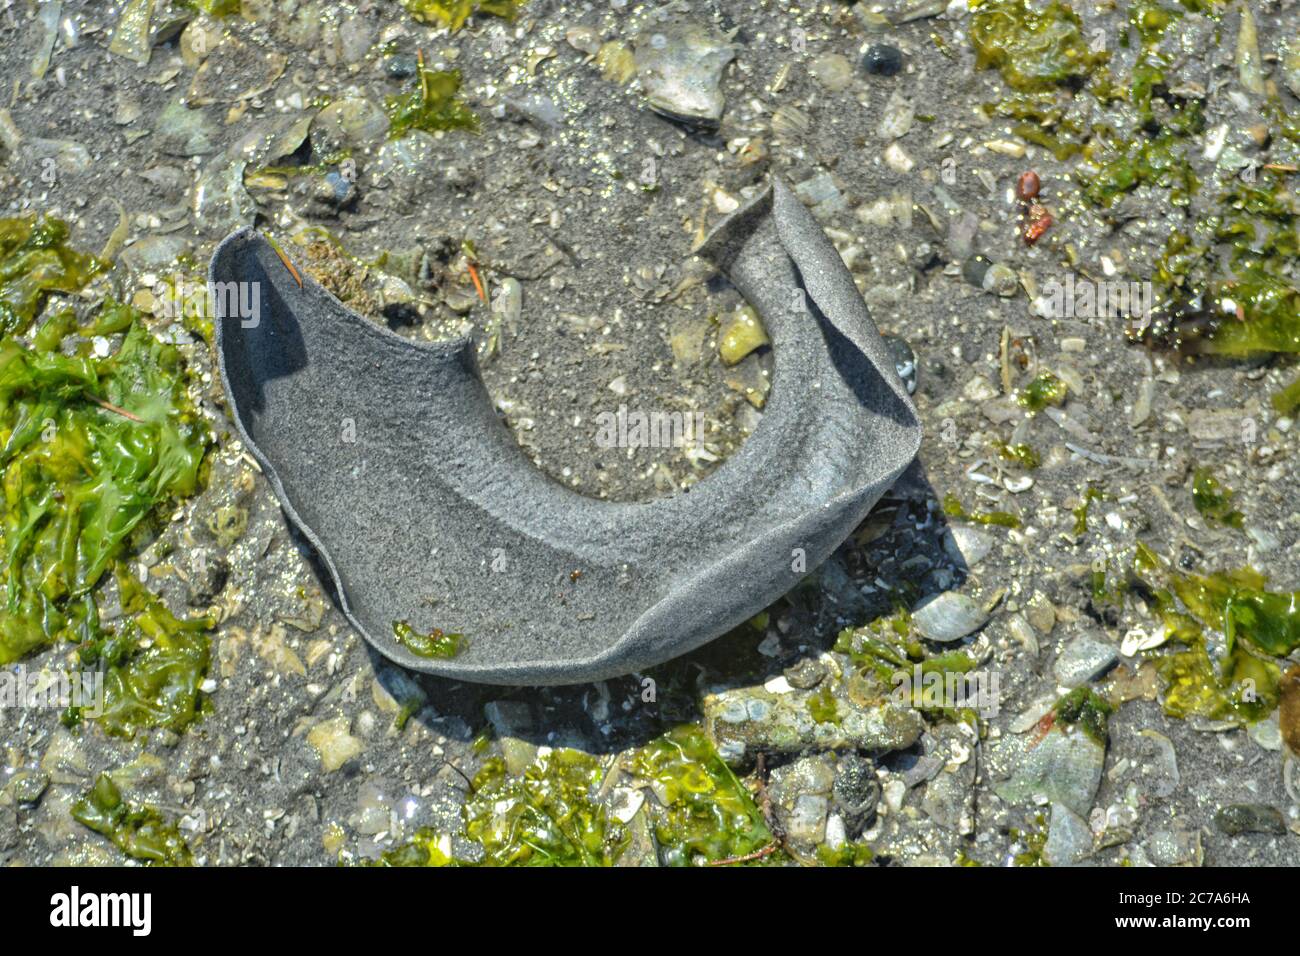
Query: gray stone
[(1069, 838), (505, 540), (949, 798), (1084, 659), (746, 721), (185, 132), (967, 545), (1175, 847), (151, 253), (354, 123), (1064, 767), (800, 798), (1239, 818)]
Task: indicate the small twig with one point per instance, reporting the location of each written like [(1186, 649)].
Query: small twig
[(115, 409)]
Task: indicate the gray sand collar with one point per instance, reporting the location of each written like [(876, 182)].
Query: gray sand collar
[(434, 515)]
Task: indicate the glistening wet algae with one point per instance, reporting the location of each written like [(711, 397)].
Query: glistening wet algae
[(1249, 628), (140, 832), (91, 445), (696, 811), (1225, 283)]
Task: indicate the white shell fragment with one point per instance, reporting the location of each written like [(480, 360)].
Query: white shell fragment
[(680, 67)]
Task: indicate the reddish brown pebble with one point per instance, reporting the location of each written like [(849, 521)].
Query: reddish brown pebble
[(1027, 185), (1038, 222)]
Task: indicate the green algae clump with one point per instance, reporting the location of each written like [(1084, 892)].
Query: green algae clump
[(435, 644), (1033, 51), (35, 260), (1086, 709), (89, 447), (432, 105), (1240, 683), (1214, 500), (544, 817), (1044, 390), (453, 13), (703, 813), (139, 832), (553, 813), (953, 508), (153, 665)]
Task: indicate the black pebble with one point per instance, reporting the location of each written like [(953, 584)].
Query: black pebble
[(881, 59), (974, 269), (401, 66)]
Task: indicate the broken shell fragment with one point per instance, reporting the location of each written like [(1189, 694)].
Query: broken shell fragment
[(948, 617), (680, 66)]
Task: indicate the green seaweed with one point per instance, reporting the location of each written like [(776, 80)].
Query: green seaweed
[(1160, 161), (35, 260), (89, 448), (545, 816), (1086, 709), (89, 445), (1043, 390), (153, 664), (1214, 500), (703, 814), (1287, 401), (431, 105), (1082, 510), (1236, 263), (1033, 50), (453, 13), (846, 854), (552, 814), (435, 644), (822, 706), (140, 832), (953, 508), (1243, 685), (1020, 453), (216, 8)]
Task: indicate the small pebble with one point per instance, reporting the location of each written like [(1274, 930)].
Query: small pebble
[(1001, 280), (974, 270), (882, 59), (1242, 818), (401, 66), (1027, 185)]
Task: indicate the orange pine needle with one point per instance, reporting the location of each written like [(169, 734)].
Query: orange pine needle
[(288, 265), (478, 283)]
